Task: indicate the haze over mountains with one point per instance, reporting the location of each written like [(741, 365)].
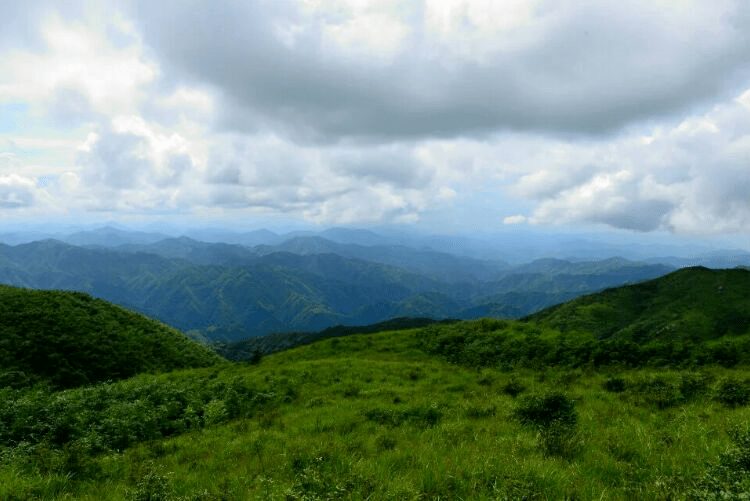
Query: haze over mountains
[(260, 282)]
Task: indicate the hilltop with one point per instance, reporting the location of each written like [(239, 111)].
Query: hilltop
[(691, 304), (69, 339), (691, 317)]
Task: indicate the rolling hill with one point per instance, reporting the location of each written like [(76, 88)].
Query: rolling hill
[(70, 339), (689, 304)]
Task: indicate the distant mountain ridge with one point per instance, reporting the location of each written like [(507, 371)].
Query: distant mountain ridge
[(230, 291)]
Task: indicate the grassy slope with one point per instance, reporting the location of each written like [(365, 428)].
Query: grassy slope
[(373, 417), (68, 339), (695, 304)]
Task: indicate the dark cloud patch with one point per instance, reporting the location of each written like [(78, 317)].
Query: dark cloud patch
[(393, 166), (594, 68), (637, 215)]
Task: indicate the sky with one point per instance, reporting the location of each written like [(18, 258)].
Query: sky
[(460, 115)]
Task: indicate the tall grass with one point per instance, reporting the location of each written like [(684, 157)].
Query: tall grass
[(373, 417)]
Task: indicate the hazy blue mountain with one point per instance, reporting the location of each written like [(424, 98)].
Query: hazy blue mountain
[(23, 237), (439, 265), (248, 239), (110, 236), (714, 259), (230, 291), (197, 252)]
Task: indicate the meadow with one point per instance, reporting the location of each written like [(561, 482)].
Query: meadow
[(375, 416)]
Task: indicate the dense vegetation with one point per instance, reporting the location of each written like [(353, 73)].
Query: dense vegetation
[(68, 339)]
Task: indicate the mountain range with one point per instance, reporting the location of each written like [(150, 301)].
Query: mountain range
[(228, 291)]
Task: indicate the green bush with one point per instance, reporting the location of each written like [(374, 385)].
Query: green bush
[(423, 416), (154, 485), (729, 477), (694, 384), (560, 439), (615, 384), (513, 387), (733, 392), (657, 391), (543, 410)]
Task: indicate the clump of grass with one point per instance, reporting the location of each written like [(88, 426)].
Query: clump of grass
[(615, 384), (385, 442), (729, 477), (543, 410), (425, 416), (154, 485), (513, 387), (694, 384), (554, 417), (733, 392), (657, 391)]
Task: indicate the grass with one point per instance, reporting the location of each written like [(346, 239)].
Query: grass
[(374, 417)]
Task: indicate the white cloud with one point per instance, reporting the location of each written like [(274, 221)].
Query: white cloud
[(516, 219), (348, 111), (691, 178), (16, 191), (78, 58)]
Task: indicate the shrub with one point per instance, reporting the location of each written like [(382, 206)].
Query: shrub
[(544, 410), (733, 392), (657, 391), (694, 384), (615, 384), (214, 412), (729, 477), (513, 387), (426, 416), (154, 485), (560, 439)]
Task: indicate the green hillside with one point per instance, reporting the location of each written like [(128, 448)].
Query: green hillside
[(375, 417), (691, 304), (70, 339), (691, 317)]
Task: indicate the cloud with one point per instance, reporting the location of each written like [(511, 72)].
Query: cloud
[(70, 107), (516, 219), (76, 68), (690, 178), (437, 69), (134, 165), (334, 111), (16, 192), (324, 184)]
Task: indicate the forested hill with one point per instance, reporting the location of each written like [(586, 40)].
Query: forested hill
[(228, 292), (695, 304), (69, 339)]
